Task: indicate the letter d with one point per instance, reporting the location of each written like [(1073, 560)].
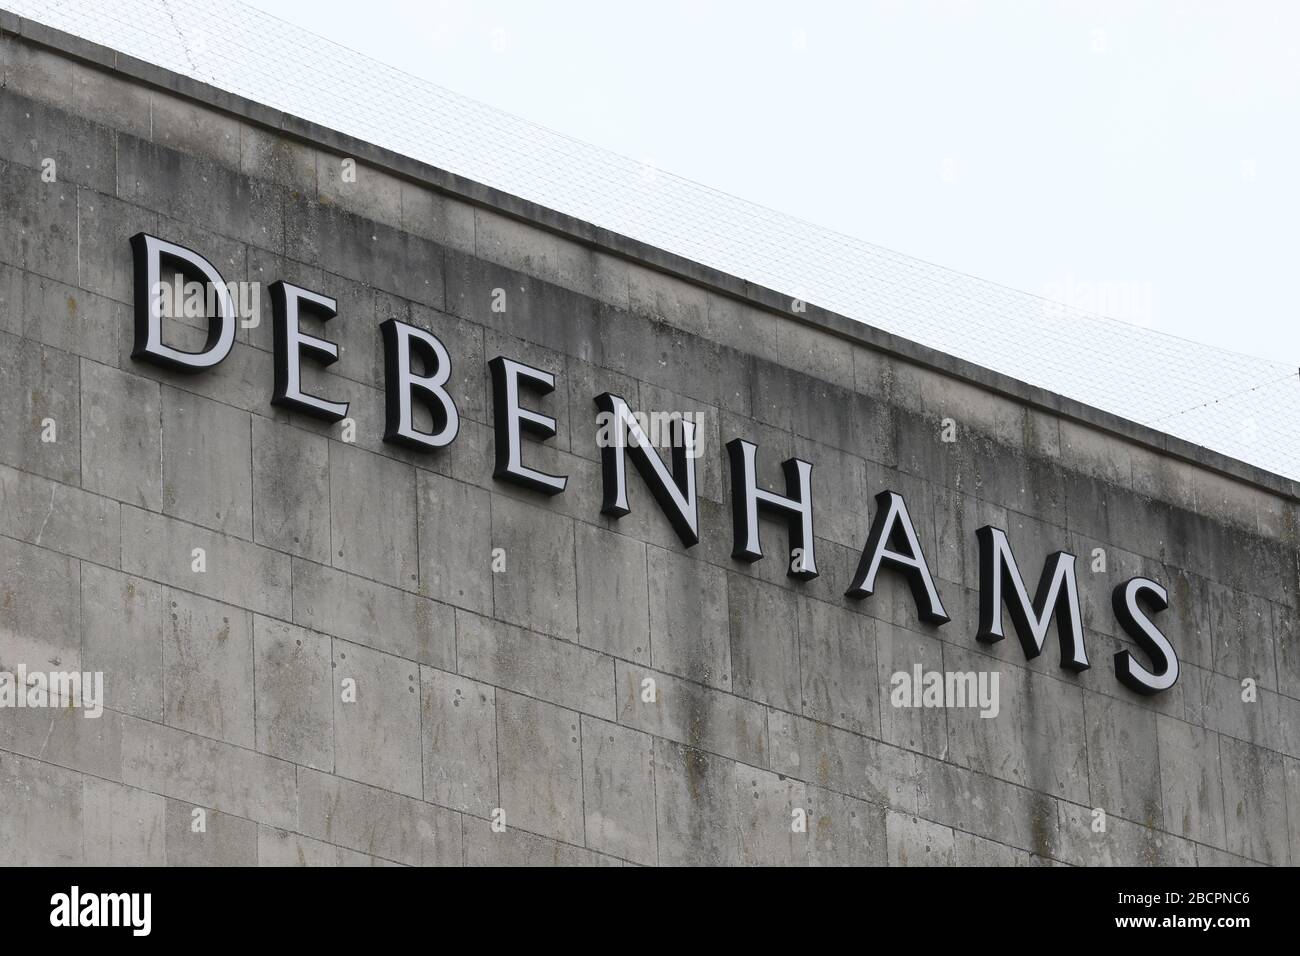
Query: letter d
[(149, 254)]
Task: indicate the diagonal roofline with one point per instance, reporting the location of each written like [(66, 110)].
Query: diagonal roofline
[(673, 264)]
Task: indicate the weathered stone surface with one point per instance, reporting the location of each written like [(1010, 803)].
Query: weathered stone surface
[(459, 725), (377, 718), (540, 756), (237, 570)]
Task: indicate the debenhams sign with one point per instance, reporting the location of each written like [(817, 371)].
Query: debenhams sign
[(891, 543)]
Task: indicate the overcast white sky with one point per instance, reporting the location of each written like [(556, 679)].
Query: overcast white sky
[(1140, 160)]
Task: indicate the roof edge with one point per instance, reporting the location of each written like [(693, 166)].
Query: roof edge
[(715, 280)]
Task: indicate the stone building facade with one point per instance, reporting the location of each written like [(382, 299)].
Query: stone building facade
[(321, 647)]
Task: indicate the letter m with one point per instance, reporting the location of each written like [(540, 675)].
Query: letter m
[(1058, 596)]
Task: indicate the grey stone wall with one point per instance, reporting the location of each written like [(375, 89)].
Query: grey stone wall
[(520, 690)]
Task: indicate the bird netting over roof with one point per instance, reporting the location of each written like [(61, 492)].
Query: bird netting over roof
[(1243, 407)]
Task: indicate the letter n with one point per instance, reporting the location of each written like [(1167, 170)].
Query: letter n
[(673, 490)]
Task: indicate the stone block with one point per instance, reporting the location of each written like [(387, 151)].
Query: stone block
[(40, 394), (291, 490), (691, 714), (1191, 781), (839, 667), (377, 719), (208, 773), (208, 668), (121, 436), (455, 532), (689, 618), (613, 597), (618, 788), (294, 689), (207, 463), (537, 588), (366, 612), (459, 727), (209, 838), (42, 822), (372, 516), (533, 664), (376, 822), (697, 807), (40, 608), (540, 756), (236, 572), (914, 841), (122, 826)]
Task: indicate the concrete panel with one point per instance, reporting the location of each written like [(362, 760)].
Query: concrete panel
[(283, 848), (207, 837), (42, 223), (459, 727), (40, 614), (1123, 761), (208, 668), (838, 667), (294, 691), (234, 571), (373, 535), (534, 664), (1254, 797), (122, 826), (207, 463), (618, 790), (121, 436), (208, 773), (59, 517), (1191, 782), (455, 529), (917, 842), (613, 595), (536, 590), (764, 643), (689, 625), (70, 319), (42, 822), (376, 822), (692, 714), (487, 847), (377, 719), (366, 612), (846, 763), (697, 806), (291, 500), (39, 390), (540, 756)]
